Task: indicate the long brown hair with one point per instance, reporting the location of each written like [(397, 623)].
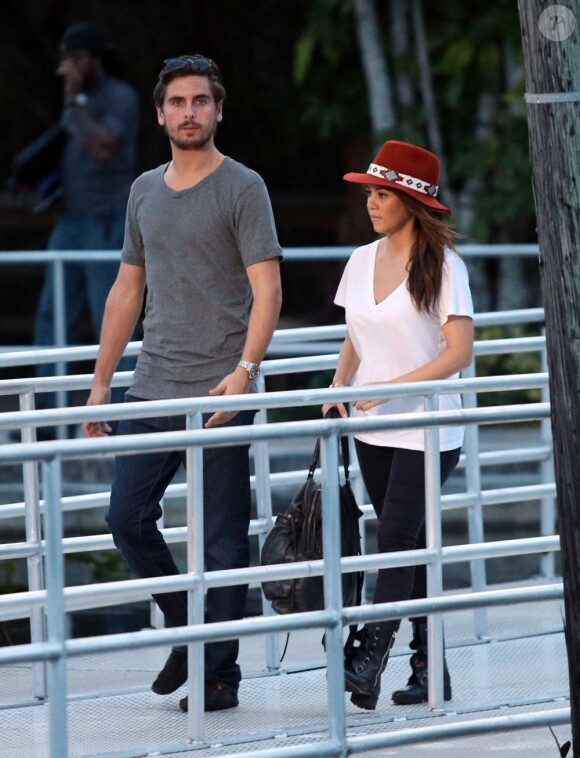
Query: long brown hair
[(433, 236)]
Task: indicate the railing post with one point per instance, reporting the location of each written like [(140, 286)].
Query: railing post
[(264, 511), (195, 567), (33, 529), (59, 324), (156, 616), (333, 588), (358, 488), (547, 504), (434, 568), (475, 528), (55, 611)]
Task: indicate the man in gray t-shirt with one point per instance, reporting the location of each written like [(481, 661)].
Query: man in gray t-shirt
[(200, 235)]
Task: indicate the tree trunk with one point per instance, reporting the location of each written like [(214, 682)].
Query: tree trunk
[(553, 66), (428, 95), (374, 64), (400, 44)]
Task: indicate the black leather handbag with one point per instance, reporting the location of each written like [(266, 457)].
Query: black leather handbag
[(297, 536)]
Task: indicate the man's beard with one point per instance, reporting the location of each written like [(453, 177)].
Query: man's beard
[(193, 144)]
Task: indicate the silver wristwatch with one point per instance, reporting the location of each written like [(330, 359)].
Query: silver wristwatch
[(253, 369)]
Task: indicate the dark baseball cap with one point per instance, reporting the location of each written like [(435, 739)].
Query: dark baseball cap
[(85, 36)]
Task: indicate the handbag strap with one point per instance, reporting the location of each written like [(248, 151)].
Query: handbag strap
[(332, 413)]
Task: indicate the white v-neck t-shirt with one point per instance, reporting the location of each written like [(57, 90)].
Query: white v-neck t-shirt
[(392, 338)]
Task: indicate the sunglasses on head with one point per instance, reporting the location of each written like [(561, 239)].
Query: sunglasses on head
[(195, 62)]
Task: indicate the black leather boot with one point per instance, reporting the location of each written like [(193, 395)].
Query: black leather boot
[(366, 662), (416, 690)]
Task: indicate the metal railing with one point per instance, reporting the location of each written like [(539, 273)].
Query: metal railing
[(57, 260), (25, 388), (474, 500), (58, 599), (472, 459), (46, 607)]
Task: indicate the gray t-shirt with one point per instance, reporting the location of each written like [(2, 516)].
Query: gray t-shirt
[(101, 188), (195, 245)]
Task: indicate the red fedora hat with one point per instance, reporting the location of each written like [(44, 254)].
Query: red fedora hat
[(407, 168)]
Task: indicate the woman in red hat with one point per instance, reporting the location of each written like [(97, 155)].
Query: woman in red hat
[(409, 317)]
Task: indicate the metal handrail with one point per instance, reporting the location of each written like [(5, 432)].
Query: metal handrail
[(311, 253), (474, 504), (282, 337), (59, 258), (55, 597), (267, 400)]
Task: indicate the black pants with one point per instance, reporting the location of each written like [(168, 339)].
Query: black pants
[(395, 481), (139, 484)]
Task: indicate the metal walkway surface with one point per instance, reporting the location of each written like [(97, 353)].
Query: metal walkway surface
[(112, 712)]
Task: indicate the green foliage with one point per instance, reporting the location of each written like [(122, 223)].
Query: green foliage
[(305, 47), (325, 56), (457, 57), (105, 566), (8, 582), (507, 364), (505, 209), (327, 35), (475, 53)]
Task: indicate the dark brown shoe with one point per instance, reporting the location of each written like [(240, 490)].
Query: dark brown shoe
[(218, 697), (173, 674)]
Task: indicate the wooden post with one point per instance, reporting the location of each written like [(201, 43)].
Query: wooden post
[(551, 43)]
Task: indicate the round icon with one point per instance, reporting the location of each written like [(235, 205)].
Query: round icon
[(557, 23)]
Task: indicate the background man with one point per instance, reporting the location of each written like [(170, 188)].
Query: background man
[(200, 233), (100, 117)]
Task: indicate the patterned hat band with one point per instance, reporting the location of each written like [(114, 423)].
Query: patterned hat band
[(396, 177)]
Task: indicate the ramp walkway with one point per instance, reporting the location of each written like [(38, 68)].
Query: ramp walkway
[(520, 668), (508, 662)]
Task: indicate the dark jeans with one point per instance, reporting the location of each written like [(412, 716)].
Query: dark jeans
[(138, 486), (395, 482)]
